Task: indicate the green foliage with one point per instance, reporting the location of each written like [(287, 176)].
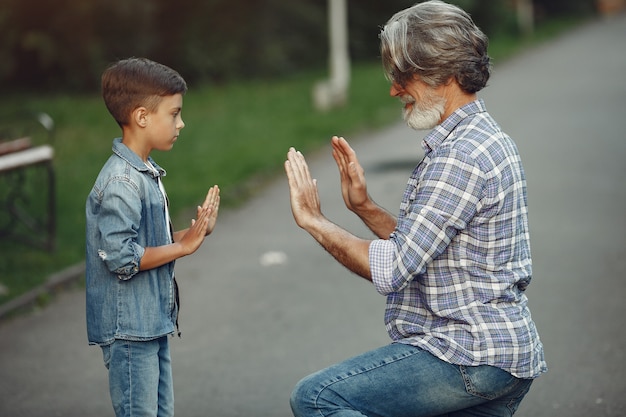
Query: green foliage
[(65, 44)]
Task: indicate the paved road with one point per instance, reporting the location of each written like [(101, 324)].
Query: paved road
[(264, 305)]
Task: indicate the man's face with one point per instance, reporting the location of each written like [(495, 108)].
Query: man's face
[(423, 105)]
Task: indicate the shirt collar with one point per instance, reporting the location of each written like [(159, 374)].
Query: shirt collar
[(120, 149), (440, 132)]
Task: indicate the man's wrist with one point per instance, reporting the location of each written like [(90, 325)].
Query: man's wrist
[(314, 224), (366, 209)]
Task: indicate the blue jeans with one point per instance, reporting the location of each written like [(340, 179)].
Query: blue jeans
[(402, 380), (140, 377)]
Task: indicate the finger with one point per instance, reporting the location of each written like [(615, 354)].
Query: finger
[(338, 161), (304, 168), (210, 198), (338, 142), (216, 199), (336, 146), (289, 172), (342, 162), (298, 166), (216, 204), (353, 167), (207, 199), (346, 149), (203, 213), (212, 195)]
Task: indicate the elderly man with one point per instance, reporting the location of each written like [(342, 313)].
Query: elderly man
[(456, 261)]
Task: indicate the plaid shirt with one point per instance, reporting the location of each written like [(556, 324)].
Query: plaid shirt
[(455, 269)]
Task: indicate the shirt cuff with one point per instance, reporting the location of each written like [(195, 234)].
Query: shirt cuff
[(381, 265)]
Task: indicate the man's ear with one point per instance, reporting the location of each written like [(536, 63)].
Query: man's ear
[(140, 116)]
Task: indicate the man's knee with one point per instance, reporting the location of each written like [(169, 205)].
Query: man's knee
[(317, 395), (302, 398)]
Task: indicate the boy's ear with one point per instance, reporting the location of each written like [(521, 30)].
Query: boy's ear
[(140, 116)]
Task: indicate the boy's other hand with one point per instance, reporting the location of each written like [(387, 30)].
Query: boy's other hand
[(194, 236)]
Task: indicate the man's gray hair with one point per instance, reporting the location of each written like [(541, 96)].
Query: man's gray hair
[(435, 41)]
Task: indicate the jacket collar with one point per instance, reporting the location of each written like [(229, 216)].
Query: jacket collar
[(134, 160)]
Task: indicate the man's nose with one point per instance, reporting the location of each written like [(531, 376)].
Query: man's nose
[(394, 90)]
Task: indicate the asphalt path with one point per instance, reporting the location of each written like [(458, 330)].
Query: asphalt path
[(264, 305)]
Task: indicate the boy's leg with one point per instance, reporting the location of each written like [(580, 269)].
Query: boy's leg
[(396, 380), (166, 382), (135, 377)]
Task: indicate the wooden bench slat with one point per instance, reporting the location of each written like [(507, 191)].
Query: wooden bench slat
[(26, 157)]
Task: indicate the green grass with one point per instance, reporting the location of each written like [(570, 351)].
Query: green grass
[(236, 136)]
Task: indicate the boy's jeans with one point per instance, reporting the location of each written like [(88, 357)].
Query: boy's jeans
[(140, 377), (403, 380)]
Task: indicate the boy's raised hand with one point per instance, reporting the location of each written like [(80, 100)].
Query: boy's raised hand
[(212, 203), (186, 241)]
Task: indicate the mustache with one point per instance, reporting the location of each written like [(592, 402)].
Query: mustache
[(407, 99)]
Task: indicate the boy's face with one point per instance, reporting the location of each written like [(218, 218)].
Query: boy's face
[(165, 123)]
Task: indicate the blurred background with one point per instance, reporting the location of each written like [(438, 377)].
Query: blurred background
[(64, 44), (252, 67)]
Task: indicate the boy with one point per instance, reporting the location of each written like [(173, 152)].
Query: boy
[(132, 296)]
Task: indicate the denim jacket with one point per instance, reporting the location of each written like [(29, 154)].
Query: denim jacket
[(125, 214)]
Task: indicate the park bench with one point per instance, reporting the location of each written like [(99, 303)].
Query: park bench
[(27, 184)]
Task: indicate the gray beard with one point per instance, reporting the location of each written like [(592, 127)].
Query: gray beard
[(425, 115)]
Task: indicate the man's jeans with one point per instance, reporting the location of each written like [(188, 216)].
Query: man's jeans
[(140, 377), (402, 380)]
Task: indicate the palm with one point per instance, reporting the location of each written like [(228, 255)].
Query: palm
[(211, 201), (353, 185)]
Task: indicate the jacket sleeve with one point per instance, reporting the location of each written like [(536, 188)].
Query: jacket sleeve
[(119, 220)]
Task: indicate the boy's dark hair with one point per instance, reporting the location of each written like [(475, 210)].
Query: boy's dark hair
[(135, 82)]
